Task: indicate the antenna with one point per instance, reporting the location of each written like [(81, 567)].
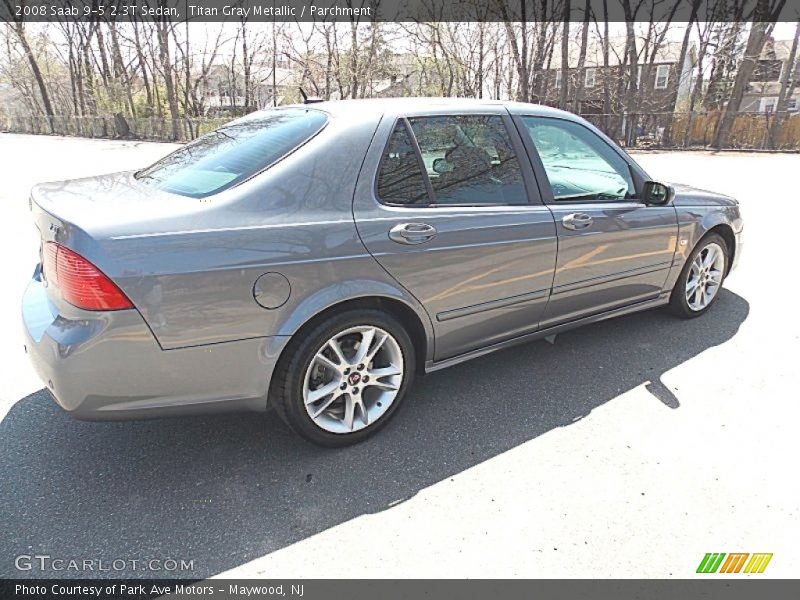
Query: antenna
[(309, 99)]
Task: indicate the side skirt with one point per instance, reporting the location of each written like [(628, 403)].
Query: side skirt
[(660, 300)]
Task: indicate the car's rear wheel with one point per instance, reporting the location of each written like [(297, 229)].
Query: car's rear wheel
[(701, 280), (343, 380)]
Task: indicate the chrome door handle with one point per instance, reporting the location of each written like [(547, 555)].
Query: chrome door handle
[(576, 221), (412, 233)]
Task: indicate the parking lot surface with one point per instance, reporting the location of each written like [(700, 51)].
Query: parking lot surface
[(629, 448)]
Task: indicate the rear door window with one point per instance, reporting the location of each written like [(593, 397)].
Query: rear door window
[(225, 157), (400, 179), (468, 160)]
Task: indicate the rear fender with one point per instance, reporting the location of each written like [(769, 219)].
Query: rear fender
[(344, 292)]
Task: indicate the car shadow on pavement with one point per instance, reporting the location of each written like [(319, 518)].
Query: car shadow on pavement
[(224, 490)]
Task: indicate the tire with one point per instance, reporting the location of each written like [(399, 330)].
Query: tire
[(360, 402), (685, 304)]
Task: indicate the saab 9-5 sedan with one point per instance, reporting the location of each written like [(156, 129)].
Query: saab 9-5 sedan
[(314, 258)]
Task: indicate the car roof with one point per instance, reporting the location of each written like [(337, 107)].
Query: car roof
[(395, 107)]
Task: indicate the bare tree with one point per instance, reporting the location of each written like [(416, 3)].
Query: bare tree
[(519, 49), (18, 27), (142, 65), (704, 32), (587, 13), (787, 86), (678, 82), (765, 17), (564, 92), (163, 30)]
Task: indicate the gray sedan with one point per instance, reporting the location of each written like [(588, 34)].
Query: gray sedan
[(315, 258)]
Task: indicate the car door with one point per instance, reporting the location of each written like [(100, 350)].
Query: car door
[(613, 249), (447, 207)]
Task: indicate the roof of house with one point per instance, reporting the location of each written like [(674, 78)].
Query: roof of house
[(776, 49), (668, 52)]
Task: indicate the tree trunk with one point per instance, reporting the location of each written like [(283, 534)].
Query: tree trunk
[(524, 73), (19, 29), (246, 63), (667, 139), (73, 82), (481, 58), (275, 68), (143, 67), (497, 83), (606, 74), (119, 68), (101, 47), (538, 75), (723, 55), (88, 71), (353, 61), (698, 87), (787, 86), (519, 59), (162, 27), (564, 92), (755, 43), (633, 88), (189, 107), (576, 105)]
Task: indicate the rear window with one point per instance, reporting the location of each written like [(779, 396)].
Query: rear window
[(233, 153)]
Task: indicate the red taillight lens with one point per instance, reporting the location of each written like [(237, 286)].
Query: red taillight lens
[(49, 253), (80, 282)]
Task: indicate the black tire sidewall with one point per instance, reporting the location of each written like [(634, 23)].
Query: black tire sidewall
[(294, 411)]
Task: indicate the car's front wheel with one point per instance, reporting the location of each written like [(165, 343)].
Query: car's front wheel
[(701, 280), (344, 379)]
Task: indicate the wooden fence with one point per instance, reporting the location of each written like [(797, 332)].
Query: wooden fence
[(749, 131)]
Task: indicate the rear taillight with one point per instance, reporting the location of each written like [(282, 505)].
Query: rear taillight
[(79, 281), (49, 252)]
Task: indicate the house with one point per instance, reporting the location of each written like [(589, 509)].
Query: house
[(404, 77), (663, 84), (765, 84), (223, 90)]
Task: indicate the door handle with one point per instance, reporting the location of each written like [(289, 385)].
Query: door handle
[(576, 221), (412, 233)]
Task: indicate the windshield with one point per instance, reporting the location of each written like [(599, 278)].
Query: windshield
[(233, 153)]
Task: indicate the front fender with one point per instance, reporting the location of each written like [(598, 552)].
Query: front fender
[(695, 222)]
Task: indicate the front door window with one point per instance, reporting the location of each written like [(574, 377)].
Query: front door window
[(579, 164)]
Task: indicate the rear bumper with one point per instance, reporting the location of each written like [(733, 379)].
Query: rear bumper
[(108, 365)]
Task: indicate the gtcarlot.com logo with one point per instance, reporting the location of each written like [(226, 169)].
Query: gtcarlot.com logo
[(736, 562), (45, 562)]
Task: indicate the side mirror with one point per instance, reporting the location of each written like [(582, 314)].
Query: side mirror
[(658, 194), (440, 166)]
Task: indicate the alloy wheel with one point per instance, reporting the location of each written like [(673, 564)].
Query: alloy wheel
[(704, 278), (353, 379)]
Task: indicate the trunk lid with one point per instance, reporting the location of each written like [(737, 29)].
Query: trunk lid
[(103, 204), (84, 214)]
